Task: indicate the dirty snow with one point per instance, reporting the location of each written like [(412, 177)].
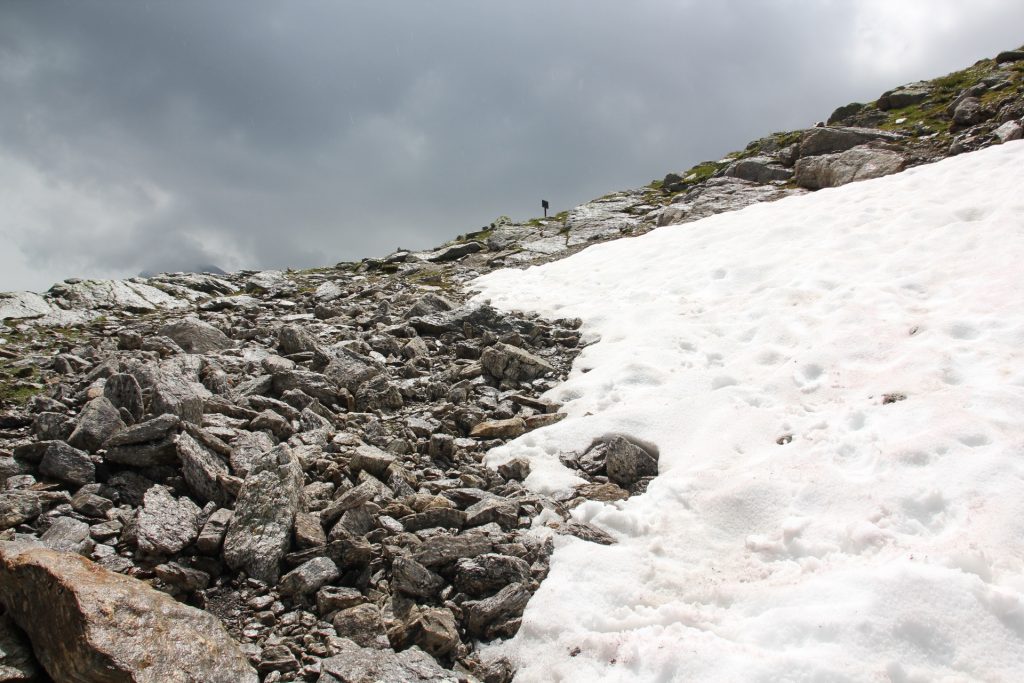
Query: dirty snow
[(885, 541)]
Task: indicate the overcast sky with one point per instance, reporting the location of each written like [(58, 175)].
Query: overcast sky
[(164, 135)]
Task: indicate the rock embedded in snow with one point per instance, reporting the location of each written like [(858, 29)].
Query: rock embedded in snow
[(626, 462), (89, 624)]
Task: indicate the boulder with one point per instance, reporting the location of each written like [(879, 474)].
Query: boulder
[(165, 525), (260, 532), (67, 464), (503, 361), (88, 624), (355, 664), (1011, 130), (486, 574), (758, 170), (860, 163), (123, 391), (968, 112), (195, 336), (455, 252), (836, 139), (98, 421), (175, 395), (19, 305), (905, 96), (309, 577), (202, 469)]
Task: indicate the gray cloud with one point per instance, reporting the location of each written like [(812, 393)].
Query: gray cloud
[(162, 135)]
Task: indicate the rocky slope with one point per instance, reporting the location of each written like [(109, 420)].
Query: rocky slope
[(277, 475)]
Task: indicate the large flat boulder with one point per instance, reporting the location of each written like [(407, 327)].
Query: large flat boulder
[(859, 163), (195, 336), (90, 625)]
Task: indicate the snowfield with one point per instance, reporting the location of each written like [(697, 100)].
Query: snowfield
[(885, 541)]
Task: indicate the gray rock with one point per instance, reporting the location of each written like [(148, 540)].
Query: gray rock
[(247, 449), (833, 139), (627, 462), (176, 395), (165, 525), (517, 469), (905, 96), (427, 304), (412, 578), (373, 460), (52, 426), (440, 550), (195, 336), (448, 518), (1011, 130), (455, 252), (202, 470), (150, 454), (503, 361), (67, 464), (495, 510), (260, 532), (117, 295), (98, 421), (432, 629), (363, 625), (22, 305), (183, 578), (17, 663), (968, 112), (482, 617), (859, 163), (309, 577), (354, 664), (151, 430), (333, 598), (348, 370), (89, 624), (758, 170), (717, 195), (68, 535), (486, 574), (18, 507), (1010, 56), (212, 535), (123, 391)]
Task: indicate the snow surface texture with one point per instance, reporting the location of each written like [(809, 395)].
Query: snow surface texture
[(886, 540)]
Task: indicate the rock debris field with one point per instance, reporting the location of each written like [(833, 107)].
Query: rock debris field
[(780, 441)]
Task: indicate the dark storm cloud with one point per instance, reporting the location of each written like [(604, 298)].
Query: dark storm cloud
[(163, 135)]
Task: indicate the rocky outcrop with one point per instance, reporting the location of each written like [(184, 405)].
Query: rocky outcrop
[(89, 624), (859, 163)]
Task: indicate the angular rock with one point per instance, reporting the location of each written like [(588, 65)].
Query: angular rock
[(432, 629), (67, 464), (455, 252), (486, 574), (354, 664), (177, 396), (373, 460), (833, 139), (67, 534), (182, 578), (483, 616), (165, 525), (495, 510), (89, 624), (145, 432), (441, 550), (98, 421), (758, 170), (18, 507), (309, 577), (363, 625), (626, 462), (499, 429), (308, 531), (968, 112), (202, 469), (860, 163), (212, 534), (1011, 130), (260, 532), (195, 336), (503, 361), (123, 391), (905, 96), (412, 578)]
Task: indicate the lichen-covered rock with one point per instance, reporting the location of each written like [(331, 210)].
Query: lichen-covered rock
[(98, 421), (195, 336), (91, 625), (165, 524), (260, 532)]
